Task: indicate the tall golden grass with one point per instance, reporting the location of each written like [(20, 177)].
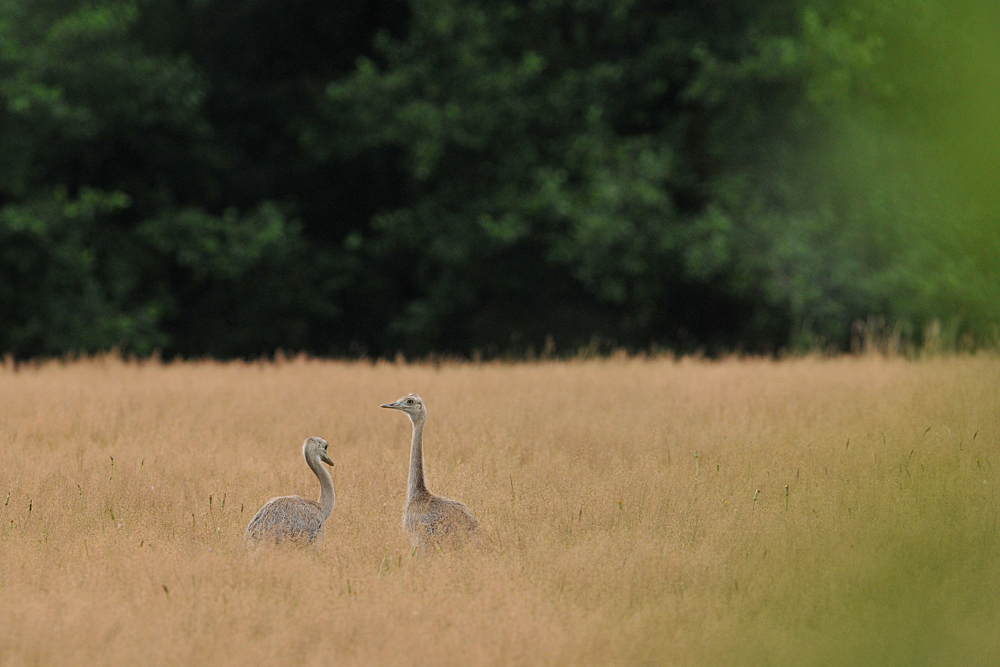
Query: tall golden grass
[(668, 512)]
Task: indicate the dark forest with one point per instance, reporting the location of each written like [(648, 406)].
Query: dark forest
[(199, 178)]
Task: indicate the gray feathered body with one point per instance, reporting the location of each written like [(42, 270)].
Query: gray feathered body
[(433, 521), (288, 518)]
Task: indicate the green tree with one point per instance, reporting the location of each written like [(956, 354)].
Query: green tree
[(692, 174), (119, 221), (594, 143), (78, 99), (232, 177)]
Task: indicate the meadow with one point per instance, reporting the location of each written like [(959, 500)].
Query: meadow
[(806, 511)]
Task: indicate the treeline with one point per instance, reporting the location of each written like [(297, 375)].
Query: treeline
[(235, 177)]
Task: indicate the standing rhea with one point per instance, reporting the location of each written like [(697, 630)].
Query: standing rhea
[(429, 520), (294, 518)]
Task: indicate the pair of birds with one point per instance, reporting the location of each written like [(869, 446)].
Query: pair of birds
[(429, 520)]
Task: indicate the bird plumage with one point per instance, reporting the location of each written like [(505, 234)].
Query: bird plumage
[(429, 520), (294, 518)]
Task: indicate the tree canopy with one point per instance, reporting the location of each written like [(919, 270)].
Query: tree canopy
[(199, 177)]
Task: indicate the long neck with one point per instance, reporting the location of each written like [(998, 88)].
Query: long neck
[(326, 495), (416, 486)]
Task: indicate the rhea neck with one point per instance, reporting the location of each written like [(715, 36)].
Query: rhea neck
[(327, 497), (417, 487)]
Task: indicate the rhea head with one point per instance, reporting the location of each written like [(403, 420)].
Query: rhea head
[(411, 404), (317, 447)]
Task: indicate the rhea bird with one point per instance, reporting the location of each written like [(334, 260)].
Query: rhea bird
[(429, 520), (294, 518)]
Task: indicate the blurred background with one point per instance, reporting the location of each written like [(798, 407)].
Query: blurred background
[(229, 178)]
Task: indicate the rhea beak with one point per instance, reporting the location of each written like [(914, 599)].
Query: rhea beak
[(391, 405), (325, 458)]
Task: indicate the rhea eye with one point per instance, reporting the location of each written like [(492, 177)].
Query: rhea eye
[(409, 401)]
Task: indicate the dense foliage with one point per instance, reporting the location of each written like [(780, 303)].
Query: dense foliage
[(231, 178)]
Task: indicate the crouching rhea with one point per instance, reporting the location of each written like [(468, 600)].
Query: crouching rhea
[(294, 518)]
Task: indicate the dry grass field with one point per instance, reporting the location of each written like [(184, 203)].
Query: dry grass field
[(664, 512)]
